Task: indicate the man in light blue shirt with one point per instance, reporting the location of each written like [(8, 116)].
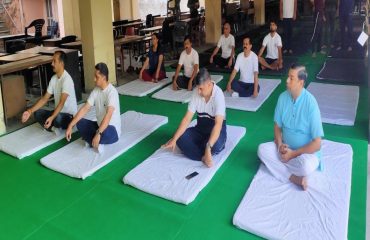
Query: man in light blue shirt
[(298, 131)]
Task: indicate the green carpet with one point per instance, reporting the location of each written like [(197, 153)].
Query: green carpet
[(37, 203)]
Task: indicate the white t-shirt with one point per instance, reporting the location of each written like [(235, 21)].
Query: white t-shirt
[(64, 84), (102, 99), (288, 8), (189, 60), (247, 66), (226, 45), (214, 107), (272, 44)]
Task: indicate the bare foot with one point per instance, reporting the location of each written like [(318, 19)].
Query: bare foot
[(207, 160), (300, 181)]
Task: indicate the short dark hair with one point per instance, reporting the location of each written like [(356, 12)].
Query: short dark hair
[(203, 76), (187, 37), (273, 21), (156, 35), (302, 72), (103, 69), (62, 56)]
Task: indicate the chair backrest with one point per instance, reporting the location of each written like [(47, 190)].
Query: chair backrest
[(166, 32), (13, 46), (130, 31), (149, 21), (180, 30), (38, 24)]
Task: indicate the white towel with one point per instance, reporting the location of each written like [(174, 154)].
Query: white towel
[(77, 160), (337, 103), (163, 174), (267, 86), (276, 210)]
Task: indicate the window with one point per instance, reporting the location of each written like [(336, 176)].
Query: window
[(157, 7)]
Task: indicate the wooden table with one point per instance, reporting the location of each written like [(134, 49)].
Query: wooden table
[(37, 49), (128, 40), (73, 45), (17, 57), (16, 66), (151, 29)]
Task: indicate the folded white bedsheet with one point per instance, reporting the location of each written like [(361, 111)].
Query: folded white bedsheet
[(78, 161), (140, 88), (275, 210), (163, 173), (267, 86), (337, 103), (182, 95), (28, 140)]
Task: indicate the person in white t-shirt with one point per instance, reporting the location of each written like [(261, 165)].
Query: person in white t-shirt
[(288, 14), (107, 128), (208, 136), (274, 56), (227, 45), (190, 59), (247, 63), (61, 86)]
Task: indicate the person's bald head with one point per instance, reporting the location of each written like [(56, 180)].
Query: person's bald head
[(227, 29)]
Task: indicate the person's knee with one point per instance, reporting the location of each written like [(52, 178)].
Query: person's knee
[(309, 163), (264, 148)]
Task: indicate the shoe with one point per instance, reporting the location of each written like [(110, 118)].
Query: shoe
[(235, 94), (290, 51), (57, 131), (339, 48), (323, 46), (323, 52), (285, 51)]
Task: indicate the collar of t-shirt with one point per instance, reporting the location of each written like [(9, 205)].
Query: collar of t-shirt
[(61, 77), (303, 92)]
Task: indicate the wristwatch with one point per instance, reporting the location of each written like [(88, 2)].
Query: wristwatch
[(208, 145), (97, 132)]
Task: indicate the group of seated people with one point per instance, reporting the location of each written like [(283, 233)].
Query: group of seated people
[(297, 128), (247, 62)]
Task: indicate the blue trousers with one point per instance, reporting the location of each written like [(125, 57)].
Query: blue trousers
[(87, 129), (345, 21), (288, 32), (244, 89), (61, 121), (193, 143)]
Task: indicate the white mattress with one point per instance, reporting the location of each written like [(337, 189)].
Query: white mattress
[(337, 103), (76, 160), (140, 88), (163, 173), (275, 210), (267, 86), (28, 140), (182, 95)]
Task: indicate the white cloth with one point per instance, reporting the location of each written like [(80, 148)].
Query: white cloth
[(214, 107), (77, 160), (140, 88), (267, 86), (288, 8), (338, 107), (64, 84), (302, 165), (275, 210), (28, 140), (182, 95), (226, 44), (272, 44), (188, 61), (163, 173), (102, 99), (247, 66)]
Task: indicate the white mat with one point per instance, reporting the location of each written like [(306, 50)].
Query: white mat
[(275, 210), (337, 103), (267, 86), (28, 140), (78, 161), (163, 174), (182, 95), (140, 88)]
